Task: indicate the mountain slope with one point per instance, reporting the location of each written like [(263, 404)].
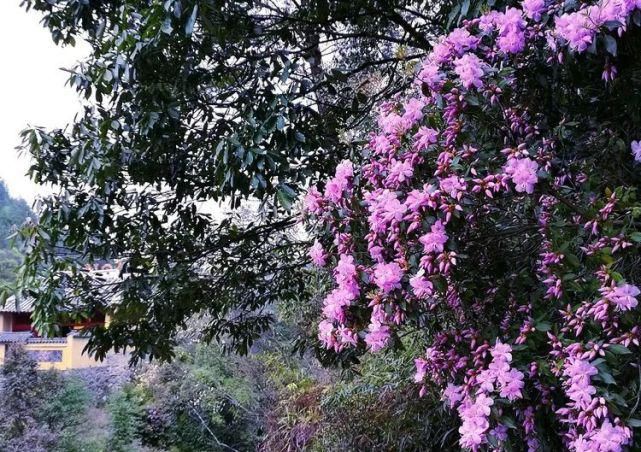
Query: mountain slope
[(13, 213)]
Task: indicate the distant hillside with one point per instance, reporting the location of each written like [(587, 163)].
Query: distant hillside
[(13, 213)]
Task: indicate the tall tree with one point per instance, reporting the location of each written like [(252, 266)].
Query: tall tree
[(194, 102)]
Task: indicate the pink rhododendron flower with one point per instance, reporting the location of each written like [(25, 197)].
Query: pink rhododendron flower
[(523, 173), (421, 369), (461, 41), (636, 150), (470, 70), (334, 189), (317, 254), (421, 286), (377, 336), (533, 9), (576, 29), (625, 297), (413, 110), (388, 276), (431, 75), (511, 27), (452, 395), (346, 275), (453, 185), (511, 384), (424, 138), (312, 201), (401, 171), (610, 438), (434, 241)]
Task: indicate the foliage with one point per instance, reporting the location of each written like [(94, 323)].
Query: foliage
[(13, 213), (496, 211), (377, 409), (201, 401), (39, 410), (126, 418), (195, 102)]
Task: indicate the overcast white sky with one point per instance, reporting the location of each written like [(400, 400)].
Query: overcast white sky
[(32, 89)]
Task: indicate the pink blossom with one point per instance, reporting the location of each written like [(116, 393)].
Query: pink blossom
[(421, 369), (431, 75), (523, 173), (511, 27), (501, 352), (388, 276), (421, 286), (453, 185), (512, 384), (485, 380), (312, 201), (533, 9), (334, 189), (401, 171), (345, 170), (346, 275), (326, 333), (576, 30), (452, 395), (317, 254), (610, 438), (636, 150), (424, 138), (377, 336), (475, 422), (470, 70), (625, 297), (413, 110), (434, 241), (461, 41)]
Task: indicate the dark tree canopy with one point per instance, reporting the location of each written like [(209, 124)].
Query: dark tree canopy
[(190, 103)]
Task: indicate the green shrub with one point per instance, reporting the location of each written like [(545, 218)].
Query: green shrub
[(125, 408)]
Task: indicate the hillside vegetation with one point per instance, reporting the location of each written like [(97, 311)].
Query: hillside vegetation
[(13, 212)]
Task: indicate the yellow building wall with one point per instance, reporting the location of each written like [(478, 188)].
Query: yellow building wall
[(72, 355)]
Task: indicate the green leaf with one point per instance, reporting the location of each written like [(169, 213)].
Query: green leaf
[(508, 422), (610, 44), (636, 237), (619, 349), (543, 326), (284, 199)]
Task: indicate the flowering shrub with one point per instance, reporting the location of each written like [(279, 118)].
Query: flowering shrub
[(496, 211)]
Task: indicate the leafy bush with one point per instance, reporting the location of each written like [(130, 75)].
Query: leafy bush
[(126, 418), (39, 410), (201, 401)]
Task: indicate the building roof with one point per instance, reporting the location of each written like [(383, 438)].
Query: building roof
[(18, 304), (13, 337), (25, 303)]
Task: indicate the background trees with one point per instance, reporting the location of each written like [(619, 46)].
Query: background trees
[(13, 213)]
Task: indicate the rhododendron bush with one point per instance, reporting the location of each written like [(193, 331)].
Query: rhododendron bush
[(495, 210)]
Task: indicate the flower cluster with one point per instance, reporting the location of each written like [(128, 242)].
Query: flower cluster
[(475, 218)]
